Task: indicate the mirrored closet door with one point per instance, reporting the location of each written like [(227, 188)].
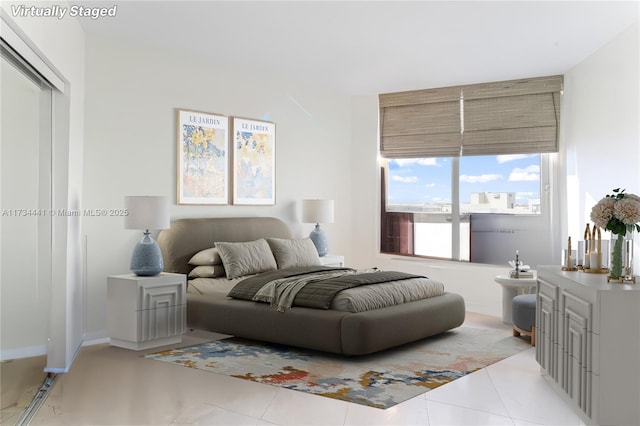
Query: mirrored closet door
[(25, 225)]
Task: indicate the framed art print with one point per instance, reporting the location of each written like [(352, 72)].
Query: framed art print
[(254, 162), (203, 158)]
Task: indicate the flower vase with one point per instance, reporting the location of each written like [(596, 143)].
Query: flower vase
[(621, 265)]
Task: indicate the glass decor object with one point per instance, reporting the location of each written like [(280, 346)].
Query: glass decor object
[(619, 213), (621, 265)]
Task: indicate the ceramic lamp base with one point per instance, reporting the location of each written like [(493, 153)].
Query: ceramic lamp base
[(146, 259), (319, 239)]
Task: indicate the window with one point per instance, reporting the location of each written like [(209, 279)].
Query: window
[(498, 186), (466, 173)]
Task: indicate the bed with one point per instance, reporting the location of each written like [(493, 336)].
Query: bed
[(198, 246)]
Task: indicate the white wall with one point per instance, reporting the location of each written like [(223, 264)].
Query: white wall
[(130, 147), (60, 44), (599, 124), (602, 129)]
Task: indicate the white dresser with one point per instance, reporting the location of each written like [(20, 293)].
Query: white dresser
[(588, 343), (146, 312)]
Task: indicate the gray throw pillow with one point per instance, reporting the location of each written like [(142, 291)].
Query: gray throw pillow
[(210, 256), (293, 253), (247, 258)]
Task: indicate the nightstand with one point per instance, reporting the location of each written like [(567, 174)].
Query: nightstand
[(146, 312), (511, 287), (330, 260)]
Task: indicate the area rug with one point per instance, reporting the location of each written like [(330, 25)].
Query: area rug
[(379, 380)]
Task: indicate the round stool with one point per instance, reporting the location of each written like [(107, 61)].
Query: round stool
[(524, 316)]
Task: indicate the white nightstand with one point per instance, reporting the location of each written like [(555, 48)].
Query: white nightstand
[(511, 287), (146, 312), (330, 260)]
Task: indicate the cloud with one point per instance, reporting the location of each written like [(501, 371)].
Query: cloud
[(421, 161), (512, 157), (430, 185), (405, 179), (480, 178), (440, 200), (528, 174)]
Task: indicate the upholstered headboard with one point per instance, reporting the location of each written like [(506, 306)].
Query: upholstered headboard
[(186, 237)]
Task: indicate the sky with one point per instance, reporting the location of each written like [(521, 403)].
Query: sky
[(428, 180)]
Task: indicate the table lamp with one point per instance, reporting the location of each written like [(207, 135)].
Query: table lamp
[(146, 212), (318, 211)]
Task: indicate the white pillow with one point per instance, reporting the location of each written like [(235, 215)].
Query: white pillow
[(247, 258), (293, 253), (210, 256), (207, 271)]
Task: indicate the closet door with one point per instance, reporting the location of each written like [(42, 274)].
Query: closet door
[(25, 203)]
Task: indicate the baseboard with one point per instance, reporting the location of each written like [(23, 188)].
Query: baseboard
[(96, 341), (96, 338), (31, 351), (26, 352)]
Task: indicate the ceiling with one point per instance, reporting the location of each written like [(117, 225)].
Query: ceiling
[(371, 47)]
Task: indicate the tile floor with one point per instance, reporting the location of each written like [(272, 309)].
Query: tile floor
[(20, 379), (113, 386)]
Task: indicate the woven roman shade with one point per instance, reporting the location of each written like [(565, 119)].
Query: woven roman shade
[(413, 122), (510, 117)]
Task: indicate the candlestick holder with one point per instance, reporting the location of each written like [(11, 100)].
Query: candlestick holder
[(585, 249), (567, 258), (596, 270), (595, 255)]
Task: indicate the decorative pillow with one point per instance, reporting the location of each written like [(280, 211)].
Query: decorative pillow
[(246, 258), (292, 253), (207, 271), (210, 256)]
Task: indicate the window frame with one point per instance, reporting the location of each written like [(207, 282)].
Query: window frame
[(548, 164)]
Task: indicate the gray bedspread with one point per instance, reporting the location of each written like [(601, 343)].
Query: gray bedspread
[(317, 293)]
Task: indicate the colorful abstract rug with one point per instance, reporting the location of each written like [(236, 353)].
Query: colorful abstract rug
[(379, 380)]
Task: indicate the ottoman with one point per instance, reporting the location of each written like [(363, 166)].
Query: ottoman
[(524, 316)]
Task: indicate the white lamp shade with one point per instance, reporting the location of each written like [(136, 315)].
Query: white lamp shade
[(317, 211), (146, 212)]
